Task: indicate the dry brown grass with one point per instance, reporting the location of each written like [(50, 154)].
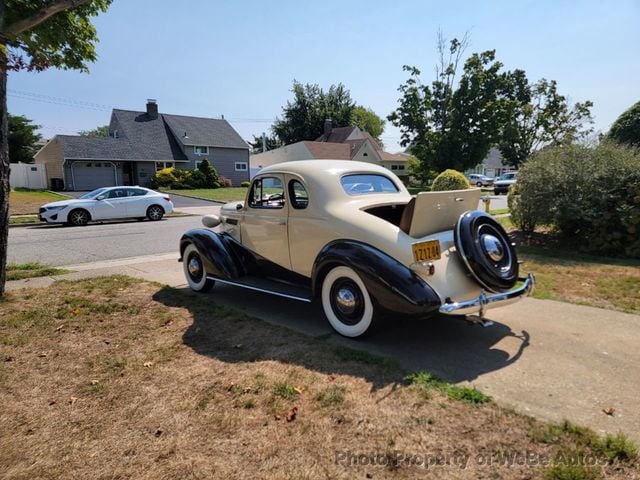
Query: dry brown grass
[(25, 202), (115, 378)]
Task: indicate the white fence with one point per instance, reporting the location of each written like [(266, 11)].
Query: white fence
[(28, 175)]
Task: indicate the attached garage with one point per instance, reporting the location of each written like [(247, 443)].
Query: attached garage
[(92, 175)]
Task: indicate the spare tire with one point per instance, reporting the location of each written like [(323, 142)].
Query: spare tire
[(486, 251)]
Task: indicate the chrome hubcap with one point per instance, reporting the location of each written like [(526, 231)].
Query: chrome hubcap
[(195, 267), (493, 247), (346, 300)]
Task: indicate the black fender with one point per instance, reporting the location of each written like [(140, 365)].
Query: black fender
[(392, 285), (217, 253)]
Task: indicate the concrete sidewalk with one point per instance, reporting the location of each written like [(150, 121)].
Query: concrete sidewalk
[(549, 359)]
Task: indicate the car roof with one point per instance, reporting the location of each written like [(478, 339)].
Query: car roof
[(326, 166)]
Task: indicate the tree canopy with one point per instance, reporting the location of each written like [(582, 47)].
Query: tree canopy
[(36, 35), (100, 131), (23, 138), (271, 142), (452, 123), (537, 115), (626, 129), (303, 118), (367, 120)]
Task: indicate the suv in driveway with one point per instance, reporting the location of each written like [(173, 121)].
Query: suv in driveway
[(503, 183)]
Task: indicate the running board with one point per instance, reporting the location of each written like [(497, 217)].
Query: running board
[(294, 293)]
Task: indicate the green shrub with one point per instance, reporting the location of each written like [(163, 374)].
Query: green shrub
[(591, 196), (450, 180), (205, 176), (245, 184)]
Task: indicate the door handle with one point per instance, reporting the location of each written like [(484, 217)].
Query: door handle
[(281, 222)]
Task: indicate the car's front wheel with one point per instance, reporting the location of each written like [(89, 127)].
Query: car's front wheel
[(155, 212), (194, 270), (79, 217), (346, 302)]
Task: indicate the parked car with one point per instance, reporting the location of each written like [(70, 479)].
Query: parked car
[(304, 232), (479, 180), (504, 182), (108, 203)]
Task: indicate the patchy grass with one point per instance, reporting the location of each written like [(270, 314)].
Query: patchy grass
[(25, 202), (499, 211), (229, 194), (126, 377), (21, 219), (427, 381), (583, 279), (19, 271)]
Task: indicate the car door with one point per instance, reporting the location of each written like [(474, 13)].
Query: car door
[(113, 205), (264, 223), (138, 200)]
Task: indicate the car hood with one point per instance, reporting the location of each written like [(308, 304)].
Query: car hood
[(505, 182), (63, 203)]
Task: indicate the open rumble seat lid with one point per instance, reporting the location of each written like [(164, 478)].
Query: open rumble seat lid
[(437, 211)]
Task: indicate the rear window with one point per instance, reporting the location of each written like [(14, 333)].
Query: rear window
[(366, 183)]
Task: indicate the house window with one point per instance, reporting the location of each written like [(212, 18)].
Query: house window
[(201, 150), (241, 166), (163, 165)]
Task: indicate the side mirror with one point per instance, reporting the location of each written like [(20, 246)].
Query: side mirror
[(100, 197), (211, 221), (239, 206)]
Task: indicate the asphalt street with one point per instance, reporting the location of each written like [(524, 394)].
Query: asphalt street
[(59, 245)]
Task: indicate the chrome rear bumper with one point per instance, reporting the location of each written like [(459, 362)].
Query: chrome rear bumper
[(484, 301)]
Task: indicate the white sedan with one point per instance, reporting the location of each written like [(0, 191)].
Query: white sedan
[(108, 203)]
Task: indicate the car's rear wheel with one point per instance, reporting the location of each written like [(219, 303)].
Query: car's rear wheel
[(486, 251), (155, 212), (79, 217), (346, 302), (194, 270), (478, 184)]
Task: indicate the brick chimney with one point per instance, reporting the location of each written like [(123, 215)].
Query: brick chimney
[(152, 108), (327, 129)]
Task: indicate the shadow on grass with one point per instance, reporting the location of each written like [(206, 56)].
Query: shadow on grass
[(231, 331)]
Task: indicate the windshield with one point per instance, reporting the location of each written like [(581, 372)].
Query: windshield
[(508, 176), (365, 183), (93, 194)]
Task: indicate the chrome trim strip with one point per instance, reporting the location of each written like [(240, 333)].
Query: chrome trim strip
[(480, 304), (249, 287)]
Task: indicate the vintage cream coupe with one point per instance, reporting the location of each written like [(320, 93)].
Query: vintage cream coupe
[(351, 235)]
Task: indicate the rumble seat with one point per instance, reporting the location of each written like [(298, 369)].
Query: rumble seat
[(407, 216)]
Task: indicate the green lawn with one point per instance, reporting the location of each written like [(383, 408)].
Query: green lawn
[(21, 219), (230, 194), (24, 202)]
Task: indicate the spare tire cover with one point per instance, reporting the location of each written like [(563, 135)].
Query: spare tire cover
[(486, 251)]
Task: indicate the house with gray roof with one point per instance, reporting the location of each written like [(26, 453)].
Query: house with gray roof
[(141, 143)]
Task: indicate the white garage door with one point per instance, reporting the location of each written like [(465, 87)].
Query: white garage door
[(92, 175)]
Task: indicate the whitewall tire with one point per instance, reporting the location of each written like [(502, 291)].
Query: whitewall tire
[(346, 302), (194, 270)]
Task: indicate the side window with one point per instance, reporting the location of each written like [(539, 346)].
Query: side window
[(298, 195), (136, 192), (117, 193), (267, 192)]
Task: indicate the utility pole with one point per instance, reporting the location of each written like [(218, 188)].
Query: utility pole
[(264, 142)]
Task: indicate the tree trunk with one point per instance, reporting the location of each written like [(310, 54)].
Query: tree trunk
[(4, 162)]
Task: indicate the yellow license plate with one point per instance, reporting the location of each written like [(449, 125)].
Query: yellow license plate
[(426, 251)]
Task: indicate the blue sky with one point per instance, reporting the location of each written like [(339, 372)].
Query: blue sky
[(239, 58)]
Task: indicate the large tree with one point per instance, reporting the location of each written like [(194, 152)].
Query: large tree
[(303, 117), (626, 129), (536, 115), (23, 138), (367, 120), (101, 131), (36, 35), (271, 142), (452, 123)]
